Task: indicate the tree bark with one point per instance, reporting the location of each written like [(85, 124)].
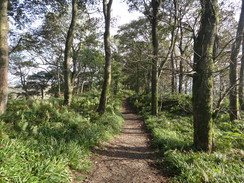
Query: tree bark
[(154, 82), (174, 32), (234, 108), (173, 75), (241, 85), (202, 79), (59, 84), (67, 56), (107, 71), (3, 56), (181, 75), (137, 78), (42, 93)]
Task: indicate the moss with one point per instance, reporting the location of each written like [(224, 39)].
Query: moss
[(202, 80)]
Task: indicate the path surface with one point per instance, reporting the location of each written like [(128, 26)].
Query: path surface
[(127, 158)]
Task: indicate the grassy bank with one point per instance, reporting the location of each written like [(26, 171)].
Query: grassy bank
[(42, 141), (172, 135)]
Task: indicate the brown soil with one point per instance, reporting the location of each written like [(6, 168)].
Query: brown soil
[(126, 158)]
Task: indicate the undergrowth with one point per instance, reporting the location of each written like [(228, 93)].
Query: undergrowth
[(172, 136), (43, 141)]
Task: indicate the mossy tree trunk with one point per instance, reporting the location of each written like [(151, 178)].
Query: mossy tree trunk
[(3, 55), (234, 108), (107, 70), (241, 85), (68, 88), (154, 82), (202, 79)]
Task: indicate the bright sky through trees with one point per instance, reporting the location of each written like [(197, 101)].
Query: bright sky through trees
[(122, 15), (120, 11)]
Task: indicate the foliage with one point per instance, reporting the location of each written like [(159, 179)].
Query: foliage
[(201, 167), (172, 136), (180, 104), (44, 140)]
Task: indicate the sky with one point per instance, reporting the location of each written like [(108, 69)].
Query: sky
[(120, 11), (121, 14)]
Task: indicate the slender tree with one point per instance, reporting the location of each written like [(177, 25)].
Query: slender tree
[(234, 108), (241, 85), (202, 79), (107, 70), (154, 24), (174, 32), (67, 55), (3, 55)]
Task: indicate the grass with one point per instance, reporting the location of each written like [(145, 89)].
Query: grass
[(172, 136), (43, 141)]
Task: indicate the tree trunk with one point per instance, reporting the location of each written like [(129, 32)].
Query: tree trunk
[(107, 49), (154, 82), (137, 78), (59, 84), (186, 86), (241, 85), (42, 93), (67, 56), (173, 78), (202, 79), (3, 56), (181, 76), (174, 32), (234, 110), (82, 87)]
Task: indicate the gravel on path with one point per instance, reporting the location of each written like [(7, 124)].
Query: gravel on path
[(127, 158)]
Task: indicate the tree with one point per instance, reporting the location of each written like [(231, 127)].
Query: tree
[(183, 30), (241, 86), (226, 34), (154, 24), (39, 82), (135, 47), (50, 44), (89, 69), (67, 55), (3, 55), (151, 10), (202, 79), (234, 108), (108, 63), (22, 68)]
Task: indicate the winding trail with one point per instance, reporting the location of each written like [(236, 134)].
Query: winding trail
[(126, 158)]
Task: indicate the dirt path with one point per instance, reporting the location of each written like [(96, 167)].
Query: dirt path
[(127, 158)]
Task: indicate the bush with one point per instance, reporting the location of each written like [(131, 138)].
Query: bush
[(172, 136), (43, 141), (202, 167)]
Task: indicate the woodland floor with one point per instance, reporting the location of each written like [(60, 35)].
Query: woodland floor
[(127, 158)]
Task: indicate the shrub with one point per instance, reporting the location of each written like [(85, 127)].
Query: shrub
[(172, 136), (46, 140)]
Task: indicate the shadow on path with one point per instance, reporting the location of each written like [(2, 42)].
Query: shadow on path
[(126, 158)]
